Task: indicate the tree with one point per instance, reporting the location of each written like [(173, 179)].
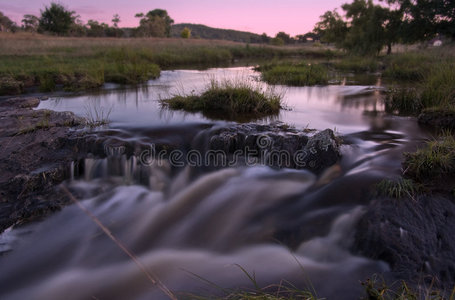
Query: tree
[(155, 23), (371, 27), (277, 41), (116, 20), (366, 29), (332, 28), (423, 19), (78, 28), (307, 37), (186, 33), (286, 38), (56, 19), (265, 39), (95, 29), (30, 23), (6, 25)]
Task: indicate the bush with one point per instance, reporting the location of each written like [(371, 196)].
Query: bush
[(186, 33)]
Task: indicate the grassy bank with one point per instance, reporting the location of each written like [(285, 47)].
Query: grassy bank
[(299, 74), (435, 90), (429, 169), (229, 100), (28, 60), (431, 73)]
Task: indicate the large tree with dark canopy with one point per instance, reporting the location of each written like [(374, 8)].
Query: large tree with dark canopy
[(365, 29), (56, 19), (423, 19)]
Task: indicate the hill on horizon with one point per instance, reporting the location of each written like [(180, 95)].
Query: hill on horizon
[(206, 32)]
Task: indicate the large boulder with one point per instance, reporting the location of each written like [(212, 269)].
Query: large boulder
[(415, 236), (276, 145)]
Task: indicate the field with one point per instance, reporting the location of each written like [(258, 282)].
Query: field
[(28, 60)]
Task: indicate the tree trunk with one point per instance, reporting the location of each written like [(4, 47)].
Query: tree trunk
[(389, 49)]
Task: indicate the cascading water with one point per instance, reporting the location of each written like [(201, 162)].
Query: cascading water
[(195, 228)]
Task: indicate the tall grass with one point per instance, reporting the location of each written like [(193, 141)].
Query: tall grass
[(229, 99), (409, 66), (438, 88), (377, 289), (397, 188), (434, 161), (85, 63), (435, 89), (96, 115), (403, 100), (357, 64), (300, 74)]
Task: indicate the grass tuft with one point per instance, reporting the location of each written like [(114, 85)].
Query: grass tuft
[(96, 115), (378, 289), (398, 189), (229, 99), (435, 160)]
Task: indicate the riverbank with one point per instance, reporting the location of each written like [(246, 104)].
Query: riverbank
[(33, 61), (36, 148)]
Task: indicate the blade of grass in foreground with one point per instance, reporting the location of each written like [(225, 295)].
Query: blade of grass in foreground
[(153, 279)]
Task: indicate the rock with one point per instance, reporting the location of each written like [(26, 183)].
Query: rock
[(276, 145), (415, 236), (19, 103), (36, 148), (322, 150)]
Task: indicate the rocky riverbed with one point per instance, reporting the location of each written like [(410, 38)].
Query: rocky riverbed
[(38, 147)]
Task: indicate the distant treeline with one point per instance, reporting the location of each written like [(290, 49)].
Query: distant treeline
[(56, 19), (365, 28)]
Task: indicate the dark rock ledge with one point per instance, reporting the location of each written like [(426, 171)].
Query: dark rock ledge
[(414, 235), (37, 148)]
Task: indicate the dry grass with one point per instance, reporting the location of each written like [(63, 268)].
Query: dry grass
[(37, 44)]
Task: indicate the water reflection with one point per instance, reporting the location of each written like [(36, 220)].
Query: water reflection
[(346, 107)]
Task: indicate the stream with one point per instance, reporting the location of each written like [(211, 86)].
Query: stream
[(200, 229)]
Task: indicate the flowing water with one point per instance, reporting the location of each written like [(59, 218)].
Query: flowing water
[(199, 229)]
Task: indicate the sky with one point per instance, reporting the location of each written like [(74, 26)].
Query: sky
[(269, 16)]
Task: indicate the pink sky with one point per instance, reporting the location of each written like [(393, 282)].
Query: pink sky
[(270, 16)]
